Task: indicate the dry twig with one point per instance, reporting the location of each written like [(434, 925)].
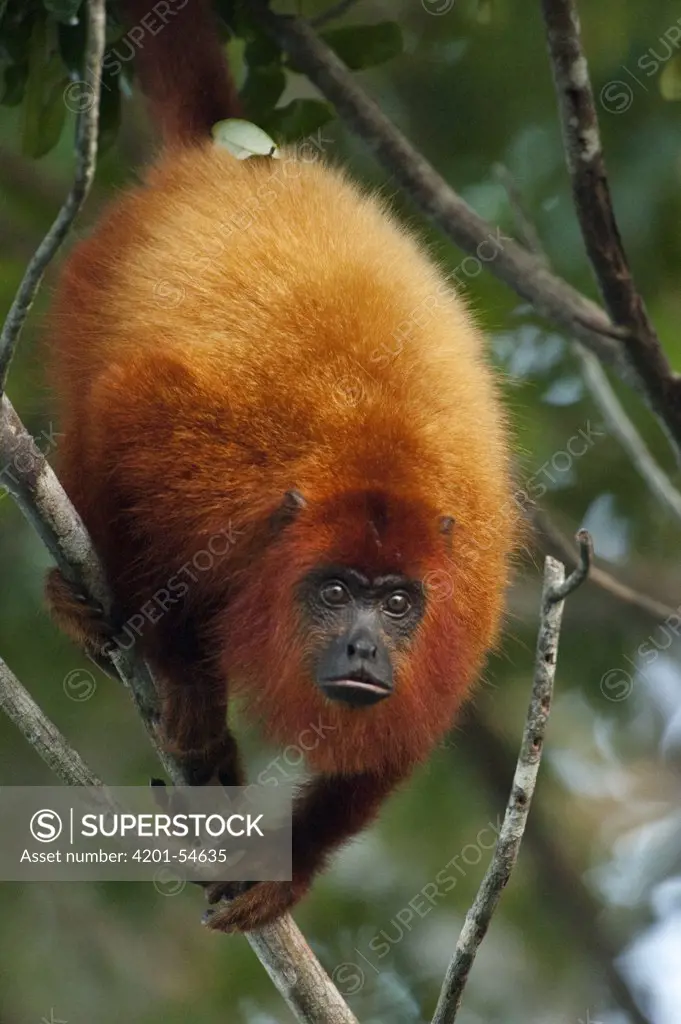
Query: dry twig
[(86, 151), (556, 588)]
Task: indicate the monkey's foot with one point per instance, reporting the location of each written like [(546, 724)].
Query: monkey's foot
[(261, 904), (81, 618), (218, 892)]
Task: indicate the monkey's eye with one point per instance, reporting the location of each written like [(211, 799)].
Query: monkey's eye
[(398, 604), (334, 594)]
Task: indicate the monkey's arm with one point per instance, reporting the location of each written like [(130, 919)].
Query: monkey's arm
[(333, 809), (194, 696)]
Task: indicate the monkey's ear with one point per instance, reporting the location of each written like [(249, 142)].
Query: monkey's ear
[(293, 502), (446, 526)]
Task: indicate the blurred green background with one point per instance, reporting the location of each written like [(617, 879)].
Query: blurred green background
[(592, 918)]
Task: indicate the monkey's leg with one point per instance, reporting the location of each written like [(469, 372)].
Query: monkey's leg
[(194, 709), (332, 810)]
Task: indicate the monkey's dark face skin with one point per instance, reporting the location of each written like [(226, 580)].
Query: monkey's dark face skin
[(361, 622)]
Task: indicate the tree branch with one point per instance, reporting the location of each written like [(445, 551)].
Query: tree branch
[(41, 733), (593, 373), (547, 529), (523, 271), (557, 879), (556, 588), (593, 204), (626, 433), (86, 150)]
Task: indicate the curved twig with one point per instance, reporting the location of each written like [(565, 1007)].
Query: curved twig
[(86, 150), (658, 610)]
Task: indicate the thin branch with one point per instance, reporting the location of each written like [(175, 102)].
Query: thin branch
[(594, 375), (332, 13), (86, 159), (524, 272), (478, 918), (41, 733), (529, 236), (562, 888), (658, 610), (593, 204), (626, 433)]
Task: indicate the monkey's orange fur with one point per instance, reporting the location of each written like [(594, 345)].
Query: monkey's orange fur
[(232, 331), (205, 369)]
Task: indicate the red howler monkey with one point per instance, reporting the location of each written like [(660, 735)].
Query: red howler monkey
[(255, 362)]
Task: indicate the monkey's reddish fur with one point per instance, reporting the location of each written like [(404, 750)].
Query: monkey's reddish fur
[(232, 330)]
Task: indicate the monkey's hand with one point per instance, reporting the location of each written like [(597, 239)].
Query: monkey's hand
[(82, 619), (261, 904)]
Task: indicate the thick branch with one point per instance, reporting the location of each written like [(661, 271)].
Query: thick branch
[(86, 158), (593, 204), (556, 588), (34, 486), (524, 272), (309, 993)]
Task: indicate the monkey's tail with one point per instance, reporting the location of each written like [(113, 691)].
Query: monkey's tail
[(182, 66)]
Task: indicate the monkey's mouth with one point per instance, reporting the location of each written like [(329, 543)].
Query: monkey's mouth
[(359, 689)]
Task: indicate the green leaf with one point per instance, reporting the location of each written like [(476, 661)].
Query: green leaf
[(365, 46), (44, 109), (71, 40), (52, 117), (14, 84), (33, 97), (670, 80), (63, 10), (299, 119), (262, 89), (261, 50), (16, 37), (109, 108), (243, 139)]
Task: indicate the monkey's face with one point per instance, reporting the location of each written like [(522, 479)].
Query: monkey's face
[(359, 624)]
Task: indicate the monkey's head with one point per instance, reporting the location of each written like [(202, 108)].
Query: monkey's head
[(362, 630)]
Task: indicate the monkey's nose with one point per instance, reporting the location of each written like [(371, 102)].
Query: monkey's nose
[(362, 646)]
